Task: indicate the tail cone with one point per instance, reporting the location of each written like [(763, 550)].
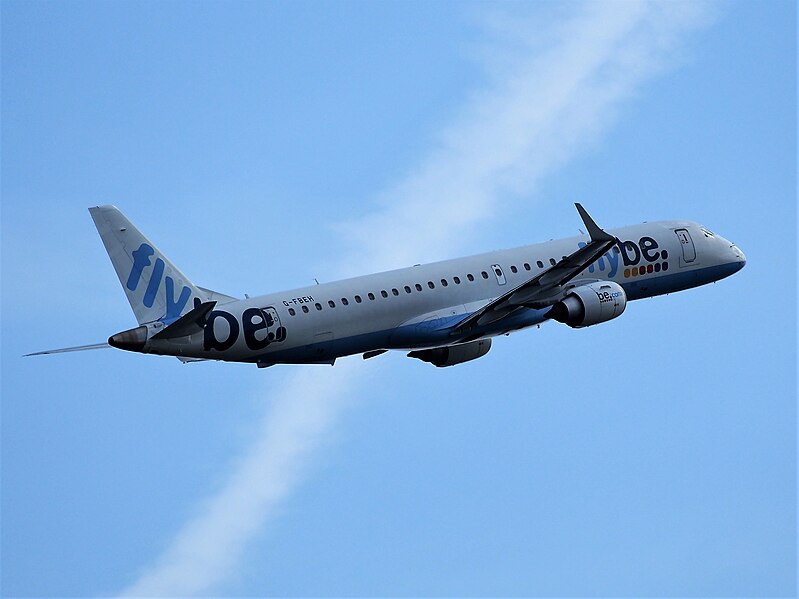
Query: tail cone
[(131, 340)]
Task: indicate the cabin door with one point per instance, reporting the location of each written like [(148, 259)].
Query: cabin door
[(687, 244)]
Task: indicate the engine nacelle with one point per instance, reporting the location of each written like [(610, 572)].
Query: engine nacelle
[(590, 304), (453, 354)]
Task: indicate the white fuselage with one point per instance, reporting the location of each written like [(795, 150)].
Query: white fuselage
[(416, 307)]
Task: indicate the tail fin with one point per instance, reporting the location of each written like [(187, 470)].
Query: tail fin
[(155, 288)]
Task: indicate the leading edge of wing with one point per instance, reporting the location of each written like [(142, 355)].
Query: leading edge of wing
[(539, 286)]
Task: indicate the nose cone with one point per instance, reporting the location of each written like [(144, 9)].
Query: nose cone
[(738, 256), (131, 340)]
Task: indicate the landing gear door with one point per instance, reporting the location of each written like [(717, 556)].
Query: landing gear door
[(687, 244)]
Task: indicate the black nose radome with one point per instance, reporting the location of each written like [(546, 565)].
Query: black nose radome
[(131, 340)]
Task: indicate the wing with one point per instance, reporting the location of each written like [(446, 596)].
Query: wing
[(538, 291)]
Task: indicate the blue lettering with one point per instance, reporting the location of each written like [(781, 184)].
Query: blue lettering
[(612, 257), (648, 247), (174, 308), (141, 259), (155, 282), (252, 326), (598, 262), (613, 261), (626, 248), (209, 335)]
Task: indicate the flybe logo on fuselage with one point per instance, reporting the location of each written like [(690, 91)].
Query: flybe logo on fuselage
[(141, 260), (631, 254)]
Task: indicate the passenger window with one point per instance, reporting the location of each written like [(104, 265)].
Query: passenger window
[(331, 303), (485, 274), (418, 287), (552, 261), (513, 269), (444, 283), (345, 301), (407, 289), (357, 299), (540, 264), (457, 280), (526, 266), (395, 291), (318, 306), (470, 277), (292, 312), (371, 295), (305, 309), (430, 284), (384, 293)]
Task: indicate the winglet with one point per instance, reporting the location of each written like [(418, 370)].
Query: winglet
[(594, 231)]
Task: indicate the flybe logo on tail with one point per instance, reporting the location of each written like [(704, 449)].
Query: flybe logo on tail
[(141, 260)]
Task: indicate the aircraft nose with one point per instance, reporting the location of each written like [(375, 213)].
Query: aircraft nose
[(738, 256)]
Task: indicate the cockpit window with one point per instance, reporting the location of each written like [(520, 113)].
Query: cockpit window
[(707, 232)]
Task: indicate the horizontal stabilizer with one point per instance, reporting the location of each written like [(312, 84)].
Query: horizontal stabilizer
[(190, 323), (64, 350), (222, 298)]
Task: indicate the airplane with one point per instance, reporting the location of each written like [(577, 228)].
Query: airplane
[(444, 313)]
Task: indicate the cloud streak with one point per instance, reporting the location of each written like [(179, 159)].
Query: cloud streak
[(205, 551), (553, 85)]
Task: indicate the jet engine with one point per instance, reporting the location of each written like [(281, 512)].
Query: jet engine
[(590, 304), (453, 354)]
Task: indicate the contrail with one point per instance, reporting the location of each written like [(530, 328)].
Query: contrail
[(552, 89), (205, 551)]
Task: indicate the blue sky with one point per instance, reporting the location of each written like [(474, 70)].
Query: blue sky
[(262, 145)]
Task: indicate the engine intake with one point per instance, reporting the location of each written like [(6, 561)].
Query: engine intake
[(453, 354), (590, 304)]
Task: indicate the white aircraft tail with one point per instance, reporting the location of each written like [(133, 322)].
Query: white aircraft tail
[(154, 286)]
